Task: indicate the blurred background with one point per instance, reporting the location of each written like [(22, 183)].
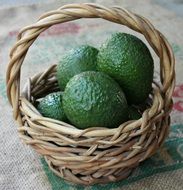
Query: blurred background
[(175, 5)]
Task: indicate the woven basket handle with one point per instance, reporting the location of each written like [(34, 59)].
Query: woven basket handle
[(70, 12)]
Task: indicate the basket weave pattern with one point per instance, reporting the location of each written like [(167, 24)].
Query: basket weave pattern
[(94, 155)]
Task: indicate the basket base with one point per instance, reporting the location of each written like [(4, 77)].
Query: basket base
[(91, 178)]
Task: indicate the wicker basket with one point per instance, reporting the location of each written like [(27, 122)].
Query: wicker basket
[(94, 155)]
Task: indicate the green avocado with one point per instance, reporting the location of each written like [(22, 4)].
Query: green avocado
[(127, 59), (80, 59), (51, 106), (94, 99)]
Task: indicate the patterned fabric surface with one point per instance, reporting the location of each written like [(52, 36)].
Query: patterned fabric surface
[(21, 168)]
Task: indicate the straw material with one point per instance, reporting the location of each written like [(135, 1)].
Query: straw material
[(94, 155)]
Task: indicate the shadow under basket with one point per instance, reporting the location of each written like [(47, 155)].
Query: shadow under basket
[(94, 155)]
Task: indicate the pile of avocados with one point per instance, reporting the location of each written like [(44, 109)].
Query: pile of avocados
[(102, 87)]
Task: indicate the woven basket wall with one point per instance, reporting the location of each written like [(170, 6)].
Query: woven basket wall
[(95, 155)]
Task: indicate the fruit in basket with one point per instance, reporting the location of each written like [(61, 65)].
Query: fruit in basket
[(51, 106), (94, 99), (128, 60), (80, 59)]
